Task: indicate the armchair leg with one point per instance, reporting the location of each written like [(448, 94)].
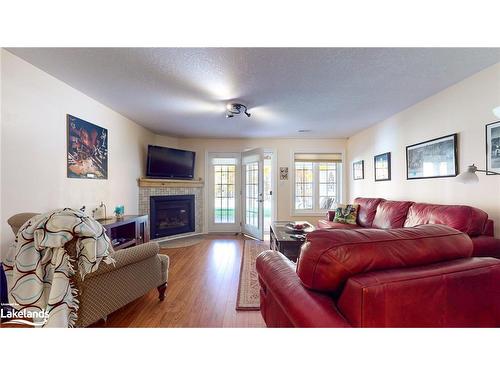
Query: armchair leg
[(161, 291)]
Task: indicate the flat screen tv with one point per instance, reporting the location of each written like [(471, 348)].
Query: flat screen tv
[(170, 163)]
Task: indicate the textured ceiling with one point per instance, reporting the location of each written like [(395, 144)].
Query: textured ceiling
[(334, 92)]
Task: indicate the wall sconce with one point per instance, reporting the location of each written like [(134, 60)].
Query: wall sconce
[(470, 176)]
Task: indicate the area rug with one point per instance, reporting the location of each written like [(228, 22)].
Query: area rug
[(181, 242), (248, 289)]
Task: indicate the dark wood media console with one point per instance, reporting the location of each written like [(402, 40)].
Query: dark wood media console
[(130, 231)]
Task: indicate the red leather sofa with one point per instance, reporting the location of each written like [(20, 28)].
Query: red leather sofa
[(383, 214), (409, 277)]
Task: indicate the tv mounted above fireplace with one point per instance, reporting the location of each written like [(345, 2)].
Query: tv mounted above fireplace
[(170, 163)]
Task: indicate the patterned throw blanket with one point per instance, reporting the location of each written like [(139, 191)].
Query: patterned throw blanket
[(39, 269)]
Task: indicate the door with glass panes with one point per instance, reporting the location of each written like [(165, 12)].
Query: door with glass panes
[(224, 192), (252, 163)]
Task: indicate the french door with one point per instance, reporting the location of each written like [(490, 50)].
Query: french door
[(224, 187), (252, 163), (236, 192)]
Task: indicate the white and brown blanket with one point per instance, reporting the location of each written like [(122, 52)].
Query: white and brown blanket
[(39, 269)]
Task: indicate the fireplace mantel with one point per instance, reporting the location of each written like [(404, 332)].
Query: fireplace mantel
[(155, 182)]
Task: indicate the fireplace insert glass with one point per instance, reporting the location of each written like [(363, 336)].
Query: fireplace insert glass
[(171, 214)]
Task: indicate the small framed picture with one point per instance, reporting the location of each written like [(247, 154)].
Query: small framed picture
[(283, 173), (432, 159), (358, 170), (382, 165), (493, 147)]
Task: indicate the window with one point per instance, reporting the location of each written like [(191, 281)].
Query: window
[(317, 182), (304, 182), (224, 190)]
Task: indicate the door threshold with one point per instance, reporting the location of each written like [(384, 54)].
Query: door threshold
[(251, 237)]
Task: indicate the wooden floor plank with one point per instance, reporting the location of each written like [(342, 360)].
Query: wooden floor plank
[(202, 289)]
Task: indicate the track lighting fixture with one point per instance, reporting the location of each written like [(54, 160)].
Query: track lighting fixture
[(233, 109)]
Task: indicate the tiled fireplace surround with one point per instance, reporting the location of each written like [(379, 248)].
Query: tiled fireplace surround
[(145, 192)]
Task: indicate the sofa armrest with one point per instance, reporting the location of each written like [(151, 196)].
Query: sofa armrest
[(486, 246), (330, 215), (302, 307), (489, 229), (128, 256)]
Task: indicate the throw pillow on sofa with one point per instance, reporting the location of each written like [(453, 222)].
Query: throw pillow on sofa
[(346, 214)]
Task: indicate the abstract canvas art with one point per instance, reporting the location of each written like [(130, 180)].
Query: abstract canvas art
[(87, 149), (431, 159)]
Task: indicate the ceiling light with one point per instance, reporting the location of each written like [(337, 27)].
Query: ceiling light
[(304, 130), (236, 109)]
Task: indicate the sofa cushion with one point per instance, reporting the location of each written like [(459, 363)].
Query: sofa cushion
[(367, 210), (466, 219), (17, 221), (391, 214), (325, 224), (486, 246), (329, 257)]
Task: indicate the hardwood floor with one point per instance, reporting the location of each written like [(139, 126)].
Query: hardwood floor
[(202, 289)]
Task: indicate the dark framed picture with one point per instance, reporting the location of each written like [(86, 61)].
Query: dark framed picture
[(358, 170), (283, 173), (493, 147), (87, 149), (432, 159), (382, 165)]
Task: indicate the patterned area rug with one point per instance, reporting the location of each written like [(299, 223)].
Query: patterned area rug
[(248, 289)]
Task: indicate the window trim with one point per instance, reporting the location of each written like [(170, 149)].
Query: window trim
[(316, 211)]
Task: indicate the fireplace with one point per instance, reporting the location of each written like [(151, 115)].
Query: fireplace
[(171, 214)]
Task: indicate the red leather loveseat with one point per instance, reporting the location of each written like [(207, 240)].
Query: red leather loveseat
[(409, 277), (383, 214)]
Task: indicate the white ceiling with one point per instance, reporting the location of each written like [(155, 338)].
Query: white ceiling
[(334, 92)]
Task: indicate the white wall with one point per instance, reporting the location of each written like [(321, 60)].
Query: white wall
[(464, 108), (284, 150), (33, 147)]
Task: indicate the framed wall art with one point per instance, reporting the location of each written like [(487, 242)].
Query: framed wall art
[(493, 147), (87, 149), (382, 165), (284, 173), (358, 170), (432, 159)]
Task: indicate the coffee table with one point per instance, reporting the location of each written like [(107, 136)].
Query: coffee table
[(281, 239)]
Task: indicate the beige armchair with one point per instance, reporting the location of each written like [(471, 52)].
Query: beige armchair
[(137, 270)]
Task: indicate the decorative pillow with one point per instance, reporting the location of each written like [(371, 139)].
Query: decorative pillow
[(346, 214)]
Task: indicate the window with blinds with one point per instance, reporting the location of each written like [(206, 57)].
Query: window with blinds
[(317, 181)]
